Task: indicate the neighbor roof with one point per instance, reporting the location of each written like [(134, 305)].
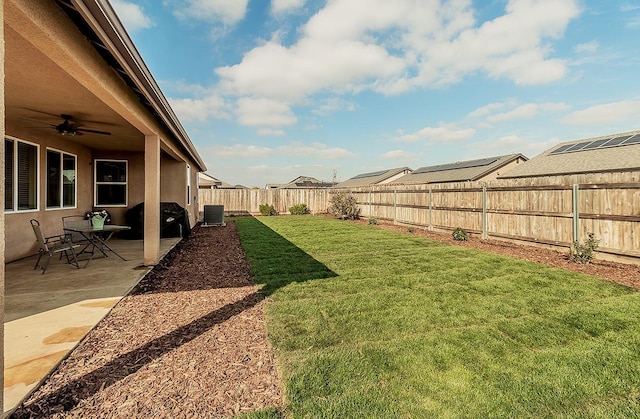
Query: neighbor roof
[(305, 182), (608, 153), (462, 171), (372, 178)]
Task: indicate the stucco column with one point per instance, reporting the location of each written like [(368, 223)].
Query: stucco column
[(2, 201), (151, 199)]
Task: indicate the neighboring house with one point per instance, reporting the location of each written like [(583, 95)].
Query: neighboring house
[(86, 125), (206, 181), (464, 171), (272, 185), (375, 178), (306, 182), (608, 153)]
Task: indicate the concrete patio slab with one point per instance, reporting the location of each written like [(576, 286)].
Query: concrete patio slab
[(46, 316)]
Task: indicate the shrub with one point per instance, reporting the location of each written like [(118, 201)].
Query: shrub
[(345, 206), (299, 209), (267, 210), (583, 253), (372, 221), (460, 234)]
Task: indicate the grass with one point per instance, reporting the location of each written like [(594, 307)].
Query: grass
[(377, 324)]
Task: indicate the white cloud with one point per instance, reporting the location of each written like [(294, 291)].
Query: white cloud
[(315, 150), (228, 12), (517, 111), (399, 155), (587, 47), (285, 6), (131, 15), (486, 109), (334, 104), (391, 47), (443, 133), (239, 151), (264, 113), (624, 111), (527, 111), (188, 109)]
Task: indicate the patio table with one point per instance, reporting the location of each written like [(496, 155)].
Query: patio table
[(98, 238)]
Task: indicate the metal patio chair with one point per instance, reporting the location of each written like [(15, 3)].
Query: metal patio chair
[(49, 246)]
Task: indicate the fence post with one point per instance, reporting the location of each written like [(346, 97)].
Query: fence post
[(370, 213), (430, 208), (484, 211), (576, 212), (395, 205)]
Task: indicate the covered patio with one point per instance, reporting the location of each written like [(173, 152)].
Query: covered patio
[(47, 315)]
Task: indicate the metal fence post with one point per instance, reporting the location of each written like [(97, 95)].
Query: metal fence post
[(430, 208), (395, 205), (576, 212), (484, 212)]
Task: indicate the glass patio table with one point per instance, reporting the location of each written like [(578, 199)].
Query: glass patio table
[(98, 238)]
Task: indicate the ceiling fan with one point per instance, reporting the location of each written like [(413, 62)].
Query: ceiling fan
[(66, 127)]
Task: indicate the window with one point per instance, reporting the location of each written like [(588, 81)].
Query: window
[(110, 183), (61, 179), (188, 185), (21, 175)]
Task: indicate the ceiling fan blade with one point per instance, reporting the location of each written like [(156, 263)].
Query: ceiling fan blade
[(92, 131), (38, 122)]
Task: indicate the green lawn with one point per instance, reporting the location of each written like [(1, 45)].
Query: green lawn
[(370, 323)]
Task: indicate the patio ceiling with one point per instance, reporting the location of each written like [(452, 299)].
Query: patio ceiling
[(38, 89)]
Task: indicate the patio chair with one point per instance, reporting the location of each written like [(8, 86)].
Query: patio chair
[(60, 244)]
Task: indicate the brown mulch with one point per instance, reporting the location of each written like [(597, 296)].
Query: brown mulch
[(621, 273), (189, 341)]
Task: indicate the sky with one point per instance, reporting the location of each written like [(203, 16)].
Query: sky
[(269, 90)]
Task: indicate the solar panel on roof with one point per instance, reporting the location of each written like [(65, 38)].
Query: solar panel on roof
[(561, 149), (578, 146), (633, 140), (458, 165), (372, 174), (602, 143), (617, 140), (595, 144)]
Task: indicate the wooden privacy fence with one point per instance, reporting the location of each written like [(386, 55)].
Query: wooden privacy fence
[(538, 212)]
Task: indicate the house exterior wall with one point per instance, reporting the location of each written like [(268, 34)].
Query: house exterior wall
[(501, 171), (49, 32), (394, 178), (19, 237)]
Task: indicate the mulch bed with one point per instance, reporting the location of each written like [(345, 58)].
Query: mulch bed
[(189, 341)]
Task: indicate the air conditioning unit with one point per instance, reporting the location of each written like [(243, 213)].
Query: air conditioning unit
[(214, 215)]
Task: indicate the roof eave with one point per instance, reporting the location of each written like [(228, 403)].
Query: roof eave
[(106, 24)]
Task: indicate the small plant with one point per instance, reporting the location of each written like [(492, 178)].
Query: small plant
[(583, 253), (372, 221), (268, 210), (459, 234), (345, 206), (299, 209), (411, 230)]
